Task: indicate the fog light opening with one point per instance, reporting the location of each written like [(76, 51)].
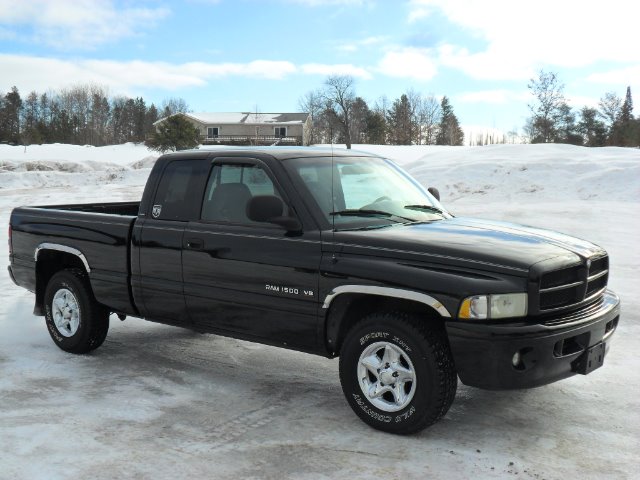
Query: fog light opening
[(516, 360)]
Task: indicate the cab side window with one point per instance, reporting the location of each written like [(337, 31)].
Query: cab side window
[(229, 189), (174, 197)]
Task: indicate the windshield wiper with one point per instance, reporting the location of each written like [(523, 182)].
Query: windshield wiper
[(354, 212), (425, 208)]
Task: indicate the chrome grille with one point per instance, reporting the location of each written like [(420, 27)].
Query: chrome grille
[(572, 285), (598, 276)]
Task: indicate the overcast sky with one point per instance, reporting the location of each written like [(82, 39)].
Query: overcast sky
[(234, 55)]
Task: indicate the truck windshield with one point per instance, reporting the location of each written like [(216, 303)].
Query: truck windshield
[(368, 192)]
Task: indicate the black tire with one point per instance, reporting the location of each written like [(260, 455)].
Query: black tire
[(92, 318), (427, 350)]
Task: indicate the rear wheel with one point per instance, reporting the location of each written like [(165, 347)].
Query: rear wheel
[(76, 322), (397, 372)]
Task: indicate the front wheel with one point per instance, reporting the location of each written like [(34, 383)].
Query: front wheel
[(397, 372), (76, 322)]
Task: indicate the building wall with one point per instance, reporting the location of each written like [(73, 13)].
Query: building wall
[(293, 130), (306, 132)]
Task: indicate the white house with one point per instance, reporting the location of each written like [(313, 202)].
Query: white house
[(247, 128)]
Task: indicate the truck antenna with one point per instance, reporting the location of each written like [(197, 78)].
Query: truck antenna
[(333, 198)]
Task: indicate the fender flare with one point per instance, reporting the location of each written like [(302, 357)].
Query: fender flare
[(62, 248), (387, 292)]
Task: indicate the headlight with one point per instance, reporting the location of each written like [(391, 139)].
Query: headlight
[(504, 305)]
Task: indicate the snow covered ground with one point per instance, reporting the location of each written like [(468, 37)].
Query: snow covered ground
[(162, 403)]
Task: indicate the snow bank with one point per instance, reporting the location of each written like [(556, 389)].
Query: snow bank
[(58, 165), (521, 172)]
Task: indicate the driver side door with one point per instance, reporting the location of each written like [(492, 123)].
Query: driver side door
[(250, 279)]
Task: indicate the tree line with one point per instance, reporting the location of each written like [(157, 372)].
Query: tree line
[(80, 115), (339, 115), (88, 115), (554, 121)]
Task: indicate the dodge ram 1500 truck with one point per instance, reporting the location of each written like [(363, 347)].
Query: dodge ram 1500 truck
[(333, 254)]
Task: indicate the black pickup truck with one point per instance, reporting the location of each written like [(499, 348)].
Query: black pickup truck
[(333, 254)]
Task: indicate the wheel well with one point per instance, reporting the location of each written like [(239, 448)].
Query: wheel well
[(347, 309), (49, 263)]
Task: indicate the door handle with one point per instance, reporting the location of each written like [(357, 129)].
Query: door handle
[(195, 243)]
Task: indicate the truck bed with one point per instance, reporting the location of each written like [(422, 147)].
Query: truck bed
[(101, 232)]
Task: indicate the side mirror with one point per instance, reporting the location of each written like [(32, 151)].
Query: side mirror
[(268, 209), (434, 191)]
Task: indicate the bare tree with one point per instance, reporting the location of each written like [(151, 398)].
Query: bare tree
[(340, 95), (312, 103), (428, 119), (381, 105), (547, 110), (610, 108), (173, 105), (513, 136)]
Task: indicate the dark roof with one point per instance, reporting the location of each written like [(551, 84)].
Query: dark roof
[(279, 153)]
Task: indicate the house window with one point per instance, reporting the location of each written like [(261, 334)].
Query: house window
[(280, 131), (213, 132)]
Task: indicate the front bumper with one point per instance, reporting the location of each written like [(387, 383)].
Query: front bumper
[(549, 351)]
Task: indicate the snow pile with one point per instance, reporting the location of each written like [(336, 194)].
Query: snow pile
[(526, 173), (58, 165)]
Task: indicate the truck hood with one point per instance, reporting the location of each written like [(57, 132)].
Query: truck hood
[(469, 242)]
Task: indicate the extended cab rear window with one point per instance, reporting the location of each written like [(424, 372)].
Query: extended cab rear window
[(175, 199)]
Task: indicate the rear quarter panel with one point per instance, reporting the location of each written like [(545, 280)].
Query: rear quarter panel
[(102, 238)]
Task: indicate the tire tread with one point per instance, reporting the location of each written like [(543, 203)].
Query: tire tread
[(435, 338), (95, 316)]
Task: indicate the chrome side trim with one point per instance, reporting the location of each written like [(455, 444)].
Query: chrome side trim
[(387, 292), (63, 248)]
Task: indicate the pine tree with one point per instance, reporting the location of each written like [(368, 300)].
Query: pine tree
[(10, 111), (30, 120), (376, 132), (359, 114), (174, 133), (623, 131), (567, 130), (449, 131), (150, 118), (400, 122), (139, 119), (592, 129), (100, 116)]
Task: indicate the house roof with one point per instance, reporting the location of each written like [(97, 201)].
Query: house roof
[(247, 118)]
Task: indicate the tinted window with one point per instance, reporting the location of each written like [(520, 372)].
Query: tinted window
[(174, 199), (229, 189)]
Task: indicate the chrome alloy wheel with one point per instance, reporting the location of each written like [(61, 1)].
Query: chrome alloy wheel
[(65, 312), (386, 376)]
